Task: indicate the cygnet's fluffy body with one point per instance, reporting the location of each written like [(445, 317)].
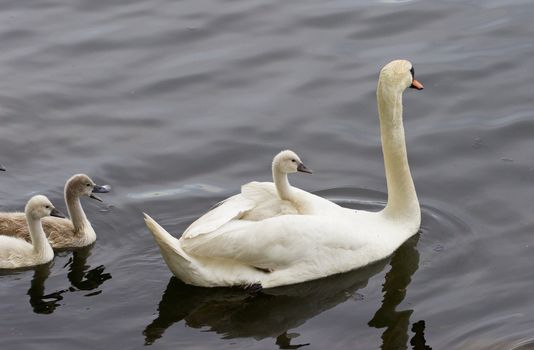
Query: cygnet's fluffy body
[(61, 232), (16, 252), (279, 199)]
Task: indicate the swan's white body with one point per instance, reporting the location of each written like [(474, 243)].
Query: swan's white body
[(61, 232), (15, 252), (220, 249)]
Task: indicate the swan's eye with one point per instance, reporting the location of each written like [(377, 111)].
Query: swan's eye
[(413, 72)]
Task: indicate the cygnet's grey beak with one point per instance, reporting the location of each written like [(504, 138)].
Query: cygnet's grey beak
[(57, 213), (302, 168), (99, 189), (2, 168)]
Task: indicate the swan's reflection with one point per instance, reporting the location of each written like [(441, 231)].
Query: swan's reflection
[(404, 263), (234, 313), (80, 276)]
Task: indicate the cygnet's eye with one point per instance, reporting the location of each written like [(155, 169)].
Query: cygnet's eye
[(47, 206), (293, 160), (88, 185)]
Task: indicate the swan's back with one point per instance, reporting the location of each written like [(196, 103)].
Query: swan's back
[(305, 203), (259, 201), (294, 248)]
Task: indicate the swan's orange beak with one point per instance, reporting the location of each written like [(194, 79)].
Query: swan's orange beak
[(416, 85)]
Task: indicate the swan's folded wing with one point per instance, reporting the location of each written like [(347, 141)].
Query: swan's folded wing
[(228, 210), (274, 243)]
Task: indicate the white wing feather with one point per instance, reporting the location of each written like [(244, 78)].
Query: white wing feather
[(274, 243), (231, 209)]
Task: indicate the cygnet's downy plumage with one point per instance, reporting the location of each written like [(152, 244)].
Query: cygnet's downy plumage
[(281, 198), (257, 200), (61, 232), (16, 252)]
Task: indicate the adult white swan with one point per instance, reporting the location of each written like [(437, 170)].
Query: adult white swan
[(16, 252), (289, 249)]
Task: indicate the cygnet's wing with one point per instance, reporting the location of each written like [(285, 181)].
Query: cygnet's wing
[(232, 208), (259, 191), (268, 203), (257, 201)]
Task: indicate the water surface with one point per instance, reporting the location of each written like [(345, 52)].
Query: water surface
[(175, 104)]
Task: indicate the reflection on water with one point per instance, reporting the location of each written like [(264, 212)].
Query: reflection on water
[(83, 278), (80, 276), (234, 313), (43, 303), (284, 341), (418, 341), (404, 263)]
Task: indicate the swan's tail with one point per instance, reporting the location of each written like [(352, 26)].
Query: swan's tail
[(176, 258)]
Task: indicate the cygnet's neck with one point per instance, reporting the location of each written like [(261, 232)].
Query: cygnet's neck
[(281, 182), (40, 243), (402, 198), (76, 213)]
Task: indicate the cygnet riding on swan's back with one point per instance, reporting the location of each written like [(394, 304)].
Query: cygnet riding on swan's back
[(62, 233), (330, 239), (258, 200), (16, 252)]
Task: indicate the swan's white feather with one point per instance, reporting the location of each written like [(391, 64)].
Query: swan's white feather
[(230, 209), (296, 248), (258, 201)]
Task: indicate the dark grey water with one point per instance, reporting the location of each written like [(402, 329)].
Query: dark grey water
[(175, 104)]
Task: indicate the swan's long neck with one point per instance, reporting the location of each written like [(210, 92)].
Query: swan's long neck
[(402, 198), (76, 213), (39, 241), (282, 184)]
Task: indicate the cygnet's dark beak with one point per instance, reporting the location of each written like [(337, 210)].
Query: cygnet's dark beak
[(99, 189), (302, 168), (56, 213), (416, 85), (2, 168)]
